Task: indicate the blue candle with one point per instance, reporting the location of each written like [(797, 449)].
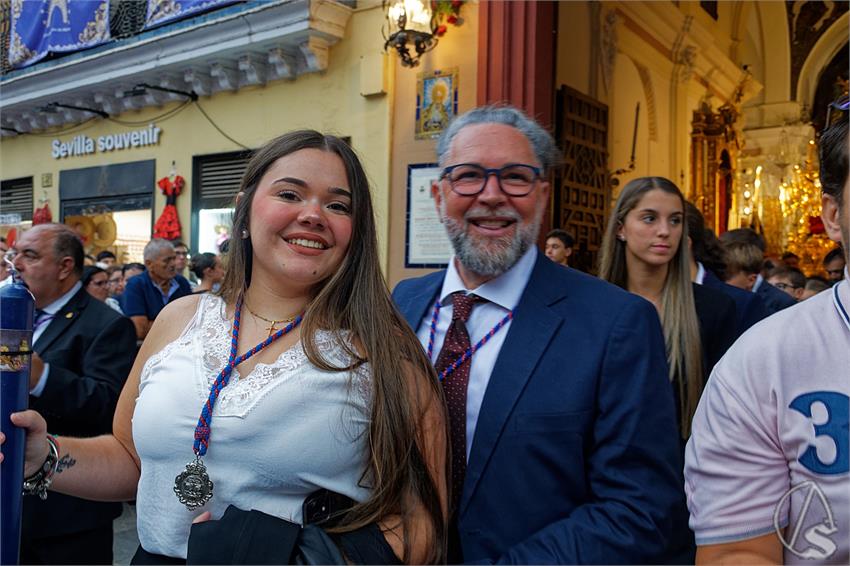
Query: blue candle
[(16, 315)]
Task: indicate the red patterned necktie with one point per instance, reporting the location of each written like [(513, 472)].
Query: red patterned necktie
[(455, 384)]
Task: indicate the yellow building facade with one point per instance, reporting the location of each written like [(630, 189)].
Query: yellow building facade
[(358, 92), (624, 86)]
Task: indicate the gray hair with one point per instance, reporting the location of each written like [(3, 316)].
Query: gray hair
[(155, 247), (541, 141)]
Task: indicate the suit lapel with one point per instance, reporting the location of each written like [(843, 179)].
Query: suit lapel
[(529, 336), (414, 306), (63, 319)]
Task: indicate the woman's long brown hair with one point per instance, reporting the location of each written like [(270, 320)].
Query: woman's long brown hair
[(356, 299), (678, 311)]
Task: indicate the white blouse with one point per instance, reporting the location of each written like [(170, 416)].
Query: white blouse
[(279, 433)]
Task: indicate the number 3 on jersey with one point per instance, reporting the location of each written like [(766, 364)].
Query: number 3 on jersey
[(836, 428)]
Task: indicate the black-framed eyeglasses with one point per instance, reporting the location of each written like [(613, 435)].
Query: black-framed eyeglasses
[(469, 179)]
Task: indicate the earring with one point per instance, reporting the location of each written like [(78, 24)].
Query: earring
[(244, 233), (621, 237)]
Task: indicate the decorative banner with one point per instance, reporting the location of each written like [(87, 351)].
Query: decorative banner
[(427, 245), (40, 27), (436, 102), (162, 11)]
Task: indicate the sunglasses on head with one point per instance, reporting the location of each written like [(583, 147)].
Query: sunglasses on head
[(842, 103)]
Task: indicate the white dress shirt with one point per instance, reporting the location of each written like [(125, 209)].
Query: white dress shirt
[(49, 311), (502, 294), (700, 274)]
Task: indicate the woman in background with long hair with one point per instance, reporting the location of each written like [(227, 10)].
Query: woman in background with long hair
[(645, 251), (208, 269)]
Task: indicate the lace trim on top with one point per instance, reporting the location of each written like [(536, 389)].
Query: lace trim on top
[(183, 341), (209, 333)]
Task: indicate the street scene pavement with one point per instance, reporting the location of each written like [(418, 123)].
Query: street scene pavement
[(125, 541)]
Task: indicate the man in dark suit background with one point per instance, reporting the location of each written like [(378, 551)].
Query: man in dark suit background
[(83, 353), (564, 439), (744, 251), (708, 265)]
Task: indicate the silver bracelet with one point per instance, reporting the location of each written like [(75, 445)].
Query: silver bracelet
[(39, 482)]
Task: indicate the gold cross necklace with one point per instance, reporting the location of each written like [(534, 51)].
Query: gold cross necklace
[(272, 323)]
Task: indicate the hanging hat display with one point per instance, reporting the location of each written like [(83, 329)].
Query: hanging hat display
[(168, 224), (83, 226), (105, 230)]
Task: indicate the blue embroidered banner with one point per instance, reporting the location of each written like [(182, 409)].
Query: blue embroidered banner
[(162, 11), (40, 27)]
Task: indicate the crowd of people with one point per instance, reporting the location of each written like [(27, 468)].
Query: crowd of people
[(167, 274), (83, 353), (508, 409)]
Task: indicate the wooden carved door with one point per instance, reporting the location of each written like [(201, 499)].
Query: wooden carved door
[(581, 194)]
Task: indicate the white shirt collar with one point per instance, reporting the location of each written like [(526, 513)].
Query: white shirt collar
[(504, 290), (57, 305), (759, 281), (841, 297), (700, 274)]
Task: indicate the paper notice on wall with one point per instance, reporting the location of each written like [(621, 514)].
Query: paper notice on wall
[(427, 243)]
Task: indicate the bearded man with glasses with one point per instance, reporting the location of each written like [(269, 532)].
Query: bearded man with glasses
[(563, 431)]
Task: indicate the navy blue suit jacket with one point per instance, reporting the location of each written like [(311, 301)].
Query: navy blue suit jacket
[(774, 298), (575, 457), (749, 307)]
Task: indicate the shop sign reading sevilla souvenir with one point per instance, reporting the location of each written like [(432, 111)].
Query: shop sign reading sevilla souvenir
[(84, 145)]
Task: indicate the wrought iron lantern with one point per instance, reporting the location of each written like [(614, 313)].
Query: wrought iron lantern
[(410, 26)]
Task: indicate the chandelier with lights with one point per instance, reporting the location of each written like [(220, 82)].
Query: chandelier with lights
[(413, 27), (788, 213), (800, 198), (410, 26)]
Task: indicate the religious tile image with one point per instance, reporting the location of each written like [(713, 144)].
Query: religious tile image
[(436, 102)]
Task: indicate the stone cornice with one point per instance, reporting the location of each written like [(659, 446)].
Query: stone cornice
[(264, 42)]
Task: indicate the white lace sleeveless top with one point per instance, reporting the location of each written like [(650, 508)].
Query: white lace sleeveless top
[(278, 433)]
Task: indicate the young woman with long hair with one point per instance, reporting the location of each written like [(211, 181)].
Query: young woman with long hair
[(208, 269), (645, 251), (345, 401)]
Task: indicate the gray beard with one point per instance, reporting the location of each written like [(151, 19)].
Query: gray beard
[(490, 257)]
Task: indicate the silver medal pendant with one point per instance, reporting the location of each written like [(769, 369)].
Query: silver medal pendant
[(193, 486)]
